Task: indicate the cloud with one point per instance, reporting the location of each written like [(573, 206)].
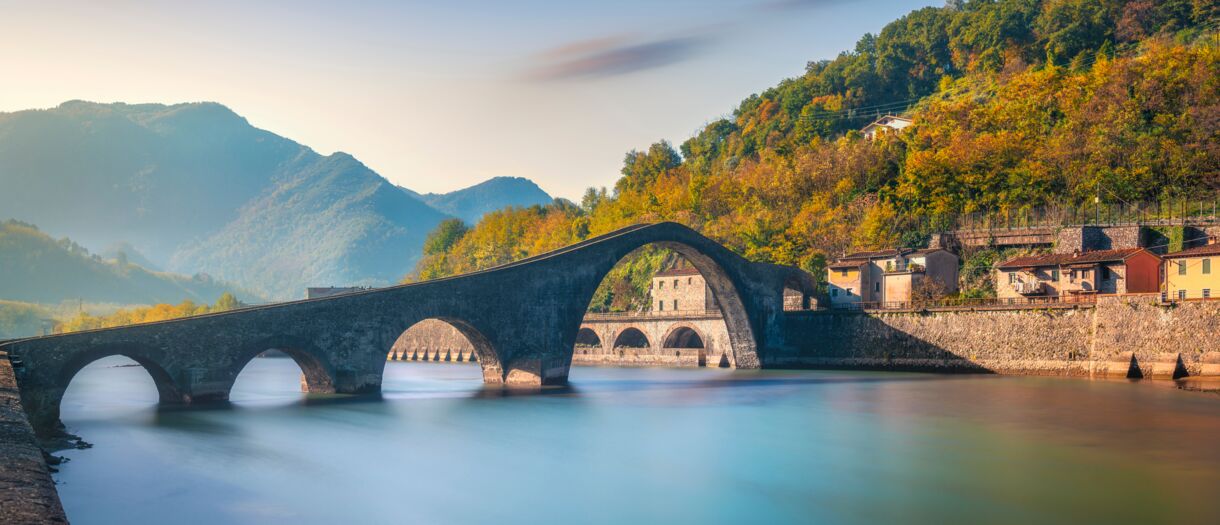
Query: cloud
[(616, 55), (623, 54)]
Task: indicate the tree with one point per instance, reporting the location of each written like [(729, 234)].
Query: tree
[(226, 302), (444, 236)]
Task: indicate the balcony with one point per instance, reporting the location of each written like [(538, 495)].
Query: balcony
[(1028, 287)]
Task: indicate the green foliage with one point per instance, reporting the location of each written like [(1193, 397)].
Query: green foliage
[(446, 234), (999, 128)]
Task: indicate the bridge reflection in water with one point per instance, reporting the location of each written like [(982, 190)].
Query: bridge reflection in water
[(522, 320)]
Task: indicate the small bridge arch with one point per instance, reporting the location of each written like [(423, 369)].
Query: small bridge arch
[(631, 337)]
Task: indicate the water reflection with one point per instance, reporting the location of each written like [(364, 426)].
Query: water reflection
[(646, 446)]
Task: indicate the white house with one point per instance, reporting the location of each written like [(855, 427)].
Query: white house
[(886, 124)]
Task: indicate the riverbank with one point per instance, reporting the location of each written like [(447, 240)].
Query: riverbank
[(27, 493), (1122, 336)]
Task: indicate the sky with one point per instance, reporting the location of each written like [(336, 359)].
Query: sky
[(437, 96)]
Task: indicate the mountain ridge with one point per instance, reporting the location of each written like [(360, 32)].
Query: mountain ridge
[(195, 188)]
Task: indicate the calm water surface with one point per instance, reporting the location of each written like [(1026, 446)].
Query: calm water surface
[(645, 446)]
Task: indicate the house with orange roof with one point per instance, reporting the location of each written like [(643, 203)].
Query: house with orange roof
[(1122, 271), (889, 276)]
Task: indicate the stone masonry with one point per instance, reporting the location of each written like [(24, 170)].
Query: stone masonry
[(27, 493), (1125, 336)]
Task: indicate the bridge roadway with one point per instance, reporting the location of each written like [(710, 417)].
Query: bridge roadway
[(522, 318)]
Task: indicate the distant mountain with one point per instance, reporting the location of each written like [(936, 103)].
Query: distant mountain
[(152, 175), (332, 221), (194, 188), (39, 269), (125, 252), (470, 204)]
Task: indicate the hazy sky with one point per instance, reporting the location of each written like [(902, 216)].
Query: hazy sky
[(436, 95)]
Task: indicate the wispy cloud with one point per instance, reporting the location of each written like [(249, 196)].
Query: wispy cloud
[(623, 54), (612, 56)]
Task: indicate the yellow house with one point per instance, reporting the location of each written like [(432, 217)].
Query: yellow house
[(1192, 273)]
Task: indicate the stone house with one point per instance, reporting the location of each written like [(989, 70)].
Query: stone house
[(1121, 271), (889, 276), (886, 124), (1190, 273), (681, 289)]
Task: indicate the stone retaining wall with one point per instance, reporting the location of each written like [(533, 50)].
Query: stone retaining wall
[(27, 493), (1120, 336)]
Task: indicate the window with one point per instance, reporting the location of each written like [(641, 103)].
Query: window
[(675, 304), (1055, 274), (843, 273), (660, 284), (690, 280), (1207, 293), (1207, 266), (661, 306), (1181, 267), (1181, 295), (834, 292), (849, 292), (1012, 277), (675, 283), (876, 287)]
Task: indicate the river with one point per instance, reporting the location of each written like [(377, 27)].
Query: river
[(645, 446)]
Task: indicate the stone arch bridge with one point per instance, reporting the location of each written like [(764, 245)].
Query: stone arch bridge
[(522, 319)]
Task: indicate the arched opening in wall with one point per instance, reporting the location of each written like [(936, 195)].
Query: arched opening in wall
[(280, 371), (107, 386), (632, 338), (587, 338), (683, 337), (437, 341), (660, 284)]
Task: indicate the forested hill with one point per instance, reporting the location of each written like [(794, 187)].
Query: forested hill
[(39, 269), (1016, 103)]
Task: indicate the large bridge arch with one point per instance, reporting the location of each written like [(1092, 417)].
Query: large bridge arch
[(721, 270)]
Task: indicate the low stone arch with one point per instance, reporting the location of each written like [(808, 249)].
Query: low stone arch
[(588, 338), (168, 391), (320, 375), (682, 335), (631, 337)]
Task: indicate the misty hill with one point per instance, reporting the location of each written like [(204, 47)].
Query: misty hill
[(470, 204), (331, 221), (40, 269), (147, 174), (194, 188)]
